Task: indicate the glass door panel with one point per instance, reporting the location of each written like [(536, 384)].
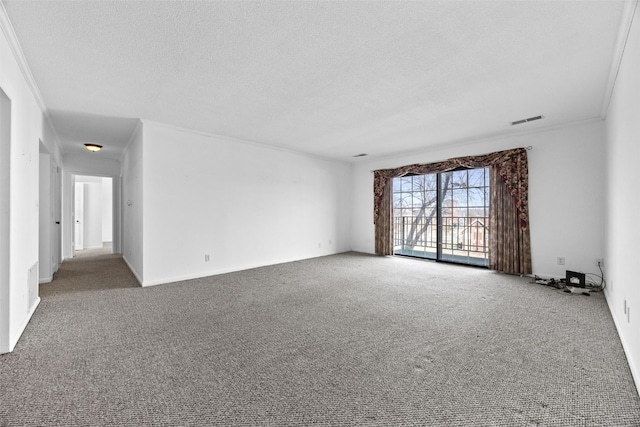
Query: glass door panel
[(465, 216), (415, 216), (443, 216)]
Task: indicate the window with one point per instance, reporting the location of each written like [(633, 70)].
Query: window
[(443, 216)]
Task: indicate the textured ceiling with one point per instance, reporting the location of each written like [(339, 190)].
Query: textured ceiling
[(328, 78)]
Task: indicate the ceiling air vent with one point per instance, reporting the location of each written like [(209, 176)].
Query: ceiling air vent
[(530, 119)]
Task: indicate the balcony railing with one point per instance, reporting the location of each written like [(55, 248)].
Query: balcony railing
[(464, 239)]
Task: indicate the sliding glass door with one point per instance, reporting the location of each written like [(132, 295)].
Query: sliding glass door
[(443, 216), (415, 212), (464, 213)]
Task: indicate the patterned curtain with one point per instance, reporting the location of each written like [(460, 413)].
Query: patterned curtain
[(509, 247)]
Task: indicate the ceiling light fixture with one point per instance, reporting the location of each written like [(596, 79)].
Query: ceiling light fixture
[(93, 147)]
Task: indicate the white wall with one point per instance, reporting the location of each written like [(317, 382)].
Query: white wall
[(566, 194), (623, 203), (23, 196), (245, 205), (5, 223), (91, 164), (132, 204)]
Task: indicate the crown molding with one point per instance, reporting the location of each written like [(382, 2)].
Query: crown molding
[(243, 141), (472, 142), (16, 50), (628, 13)]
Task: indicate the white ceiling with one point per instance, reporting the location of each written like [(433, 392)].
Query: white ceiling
[(329, 78)]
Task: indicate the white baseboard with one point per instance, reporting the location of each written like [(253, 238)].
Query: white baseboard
[(45, 280), (226, 270), (15, 337), (135, 273), (635, 373)]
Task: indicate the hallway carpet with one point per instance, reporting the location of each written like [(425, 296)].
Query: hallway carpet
[(343, 340)]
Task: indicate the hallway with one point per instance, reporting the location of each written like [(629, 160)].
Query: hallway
[(90, 270)]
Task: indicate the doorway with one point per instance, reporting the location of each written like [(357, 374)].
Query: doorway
[(50, 235), (92, 214), (443, 216)]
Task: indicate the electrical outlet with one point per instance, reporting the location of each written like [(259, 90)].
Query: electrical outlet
[(600, 262), (560, 260), (207, 257)]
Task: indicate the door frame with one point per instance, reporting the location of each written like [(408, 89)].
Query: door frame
[(439, 198), (5, 221), (68, 179)]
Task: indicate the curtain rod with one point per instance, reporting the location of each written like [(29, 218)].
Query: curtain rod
[(528, 148)]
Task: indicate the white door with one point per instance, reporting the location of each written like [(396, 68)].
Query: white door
[(56, 207), (78, 229)]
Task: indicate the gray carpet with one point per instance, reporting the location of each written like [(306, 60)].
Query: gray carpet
[(349, 339)]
